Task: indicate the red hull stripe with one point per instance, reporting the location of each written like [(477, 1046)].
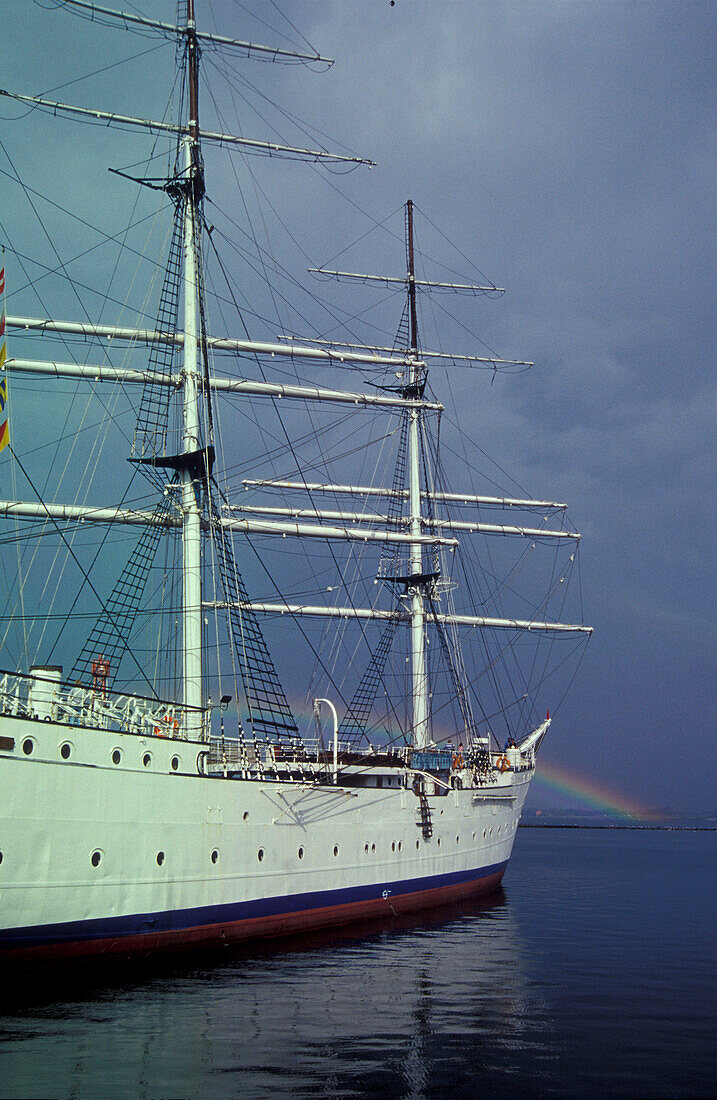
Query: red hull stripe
[(241, 921)]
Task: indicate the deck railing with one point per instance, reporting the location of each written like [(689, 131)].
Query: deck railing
[(42, 696)]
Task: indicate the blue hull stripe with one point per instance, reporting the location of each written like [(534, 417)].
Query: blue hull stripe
[(177, 920)]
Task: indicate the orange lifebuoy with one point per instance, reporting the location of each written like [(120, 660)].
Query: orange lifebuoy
[(503, 764), (166, 728), (457, 762)]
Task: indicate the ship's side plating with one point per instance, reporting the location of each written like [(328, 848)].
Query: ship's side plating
[(116, 842)]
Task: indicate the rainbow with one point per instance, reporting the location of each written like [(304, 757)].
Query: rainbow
[(589, 793)]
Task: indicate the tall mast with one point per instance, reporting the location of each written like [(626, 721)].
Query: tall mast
[(191, 532), (411, 279), (417, 583)]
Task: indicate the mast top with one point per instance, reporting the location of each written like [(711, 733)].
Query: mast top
[(169, 30), (413, 331)]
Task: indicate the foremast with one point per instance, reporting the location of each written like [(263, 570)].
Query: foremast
[(197, 511), (193, 184)]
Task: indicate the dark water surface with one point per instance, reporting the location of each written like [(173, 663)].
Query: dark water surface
[(592, 974)]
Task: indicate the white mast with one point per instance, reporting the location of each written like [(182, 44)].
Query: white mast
[(191, 532), (417, 582), (418, 627)]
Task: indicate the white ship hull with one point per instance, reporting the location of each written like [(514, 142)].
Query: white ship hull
[(188, 859)]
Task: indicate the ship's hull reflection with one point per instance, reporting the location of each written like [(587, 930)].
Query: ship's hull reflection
[(373, 1008)]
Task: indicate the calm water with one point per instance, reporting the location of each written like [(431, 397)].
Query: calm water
[(593, 974)]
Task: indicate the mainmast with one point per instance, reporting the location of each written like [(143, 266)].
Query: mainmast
[(417, 578), (193, 185)]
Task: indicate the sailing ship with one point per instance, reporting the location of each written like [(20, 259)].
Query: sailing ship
[(169, 794)]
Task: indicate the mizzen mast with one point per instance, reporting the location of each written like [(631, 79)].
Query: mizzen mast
[(418, 579)]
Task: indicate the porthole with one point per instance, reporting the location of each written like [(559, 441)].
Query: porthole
[(174, 763), (260, 854), (438, 842), (474, 834), (458, 840), (66, 750), (160, 858), (418, 845), (484, 834), (300, 853), (336, 849), (28, 746), (147, 759), (245, 816), (365, 847), (116, 756), (499, 830), (490, 831), (393, 845), (373, 847), (215, 856), (96, 858), (399, 845), (0, 857)]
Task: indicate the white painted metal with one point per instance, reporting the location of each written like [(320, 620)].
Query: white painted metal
[(220, 385), (403, 280), (378, 491), (48, 877), (335, 718), (87, 706), (315, 393), (405, 616), (92, 373), (47, 679), (352, 534), (215, 39), (20, 509), (216, 343), (191, 530), (419, 673), (424, 354), (368, 517), (155, 127), (533, 739)]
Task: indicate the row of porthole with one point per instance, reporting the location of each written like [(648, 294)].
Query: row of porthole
[(146, 759), (28, 747), (98, 855), (396, 846), (300, 852)]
